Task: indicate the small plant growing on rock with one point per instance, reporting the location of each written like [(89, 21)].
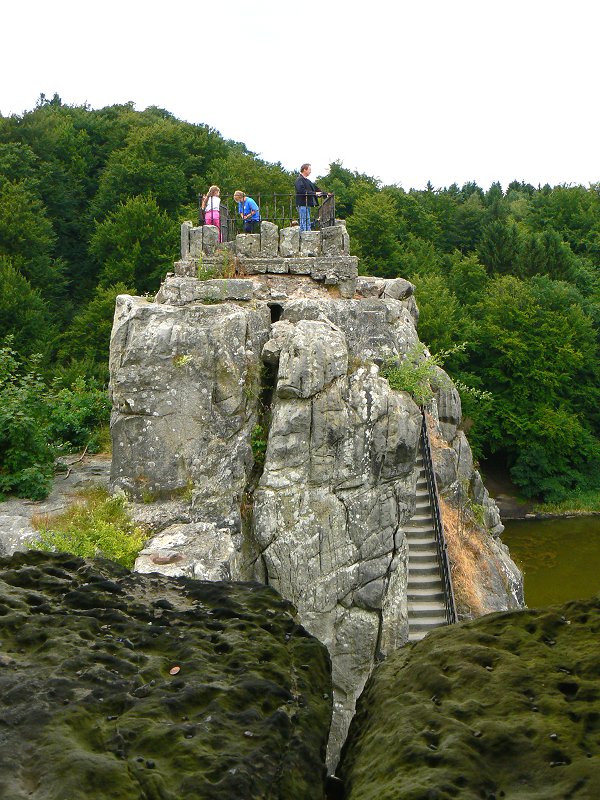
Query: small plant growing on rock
[(417, 371), (182, 360), (97, 524), (258, 442)]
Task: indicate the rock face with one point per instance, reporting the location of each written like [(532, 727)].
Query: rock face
[(115, 686), (337, 484), (505, 706), (260, 398)]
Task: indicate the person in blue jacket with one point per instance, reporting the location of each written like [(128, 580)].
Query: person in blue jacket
[(248, 211)]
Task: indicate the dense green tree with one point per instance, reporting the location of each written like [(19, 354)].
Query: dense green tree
[(374, 230), (467, 278), (28, 238), (23, 313), (534, 351), (498, 247), (464, 230), (136, 244), (348, 187), (85, 344)]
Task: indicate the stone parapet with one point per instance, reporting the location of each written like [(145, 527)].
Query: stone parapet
[(269, 242)]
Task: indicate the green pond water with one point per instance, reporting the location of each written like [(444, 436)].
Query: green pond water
[(560, 558)]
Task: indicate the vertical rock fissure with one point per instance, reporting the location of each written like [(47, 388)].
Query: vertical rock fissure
[(259, 442)]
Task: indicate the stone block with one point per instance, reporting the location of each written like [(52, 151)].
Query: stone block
[(310, 243), (185, 238), (278, 266), (332, 240), (398, 289), (195, 242), (210, 239), (269, 239), (289, 242), (347, 288), (300, 266), (248, 245)]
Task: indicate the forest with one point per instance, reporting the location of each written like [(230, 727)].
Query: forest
[(91, 202)]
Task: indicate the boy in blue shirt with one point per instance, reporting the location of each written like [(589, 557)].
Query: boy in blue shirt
[(248, 211)]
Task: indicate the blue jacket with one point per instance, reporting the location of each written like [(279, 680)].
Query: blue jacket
[(249, 207)]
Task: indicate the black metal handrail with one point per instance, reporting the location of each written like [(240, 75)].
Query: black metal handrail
[(438, 526), (278, 208)]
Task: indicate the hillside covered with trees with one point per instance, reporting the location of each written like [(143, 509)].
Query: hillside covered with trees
[(91, 202)]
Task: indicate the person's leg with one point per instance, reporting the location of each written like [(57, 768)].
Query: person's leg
[(304, 213)]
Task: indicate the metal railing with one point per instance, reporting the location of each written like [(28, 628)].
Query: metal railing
[(438, 526), (278, 208)]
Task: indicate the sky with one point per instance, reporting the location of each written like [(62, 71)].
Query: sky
[(403, 91)]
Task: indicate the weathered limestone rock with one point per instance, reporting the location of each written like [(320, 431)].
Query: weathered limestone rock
[(197, 550), (261, 398), (184, 390), (289, 242), (310, 244), (338, 482), (374, 329), (210, 239), (247, 245), (181, 291), (116, 686), (269, 239), (333, 240), (186, 227), (505, 706)]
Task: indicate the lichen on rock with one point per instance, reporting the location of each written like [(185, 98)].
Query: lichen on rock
[(505, 706), (117, 685)]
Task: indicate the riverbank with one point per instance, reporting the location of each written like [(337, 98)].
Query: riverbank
[(514, 507)]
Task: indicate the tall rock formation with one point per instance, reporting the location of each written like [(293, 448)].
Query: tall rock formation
[(252, 411)]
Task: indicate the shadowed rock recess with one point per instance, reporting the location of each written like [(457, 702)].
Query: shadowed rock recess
[(116, 685), (507, 706)]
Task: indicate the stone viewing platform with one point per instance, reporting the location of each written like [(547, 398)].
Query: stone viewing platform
[(323, 255)]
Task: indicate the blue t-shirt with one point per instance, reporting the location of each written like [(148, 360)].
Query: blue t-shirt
[(249, 207)]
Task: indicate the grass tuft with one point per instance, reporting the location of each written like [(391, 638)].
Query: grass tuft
[(97, 524)]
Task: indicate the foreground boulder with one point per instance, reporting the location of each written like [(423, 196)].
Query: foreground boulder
[(116, 685), (505, 706)]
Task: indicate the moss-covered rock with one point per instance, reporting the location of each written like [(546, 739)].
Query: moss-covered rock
[(506, 706), (123, 686)]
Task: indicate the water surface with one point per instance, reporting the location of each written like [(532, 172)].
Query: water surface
[(560, 558)]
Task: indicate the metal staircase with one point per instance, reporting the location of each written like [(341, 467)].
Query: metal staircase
[(430, 594)]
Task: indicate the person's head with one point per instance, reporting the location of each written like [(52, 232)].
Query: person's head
[(305, 170), (214, 191), (238, 196)]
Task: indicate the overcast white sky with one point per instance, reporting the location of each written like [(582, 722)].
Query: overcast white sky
[(405, 91)]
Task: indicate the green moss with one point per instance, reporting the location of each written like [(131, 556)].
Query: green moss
[(87, 677), (505, 706)]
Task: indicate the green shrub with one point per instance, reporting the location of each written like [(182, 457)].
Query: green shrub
[(96, 525), (258, 442), (26, 459), (417, 373), (77, 415)]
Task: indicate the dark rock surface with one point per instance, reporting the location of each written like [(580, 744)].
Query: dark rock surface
[(117, 685), (506, 706)]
